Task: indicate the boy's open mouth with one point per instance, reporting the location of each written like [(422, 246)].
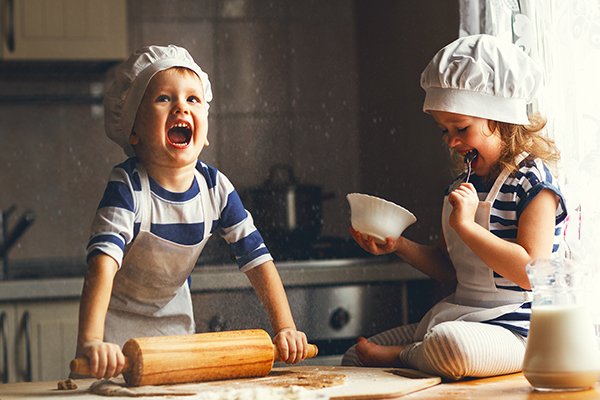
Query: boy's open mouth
[(180, 134)]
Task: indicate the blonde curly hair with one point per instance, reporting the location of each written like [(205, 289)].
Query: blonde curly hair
[(517, 139)]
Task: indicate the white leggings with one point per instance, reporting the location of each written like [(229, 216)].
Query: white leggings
[(454, 349)]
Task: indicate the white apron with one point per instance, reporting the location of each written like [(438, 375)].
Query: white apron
[(151, 296), (476, 297)]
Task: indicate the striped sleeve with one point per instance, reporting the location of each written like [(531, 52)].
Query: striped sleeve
[(515, 195), (236, 224), (114, 223)]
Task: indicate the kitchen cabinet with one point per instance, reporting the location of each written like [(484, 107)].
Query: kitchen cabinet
[(37, 339), (63, 29)]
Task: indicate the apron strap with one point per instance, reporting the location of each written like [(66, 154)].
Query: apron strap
[(493, 193), (205, 200), (146, 206)]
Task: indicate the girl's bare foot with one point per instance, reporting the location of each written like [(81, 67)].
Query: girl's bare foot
[(375, 355)]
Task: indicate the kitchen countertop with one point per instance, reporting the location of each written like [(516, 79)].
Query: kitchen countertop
[(227, 277), (513, 387)]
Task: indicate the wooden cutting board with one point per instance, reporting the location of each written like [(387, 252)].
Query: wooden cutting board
[(357, 384), (374, 383), (338, 383)]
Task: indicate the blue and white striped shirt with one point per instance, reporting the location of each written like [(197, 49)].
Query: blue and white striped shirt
[(176, 217), (519, 189)]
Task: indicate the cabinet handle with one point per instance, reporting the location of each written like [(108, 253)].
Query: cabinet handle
[(27, 331), (4, 347)]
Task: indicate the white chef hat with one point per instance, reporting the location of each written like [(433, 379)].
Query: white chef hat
[(127, 84), (481, 76)]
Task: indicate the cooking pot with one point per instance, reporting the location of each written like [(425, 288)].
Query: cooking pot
[(285, 210)]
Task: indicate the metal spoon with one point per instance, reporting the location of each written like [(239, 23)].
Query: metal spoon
[(469, 157)]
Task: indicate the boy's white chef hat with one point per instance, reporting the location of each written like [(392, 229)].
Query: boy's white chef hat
[(481, 76), (127, 84)]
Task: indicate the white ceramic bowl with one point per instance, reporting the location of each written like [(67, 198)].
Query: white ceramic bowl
[(377, 217)]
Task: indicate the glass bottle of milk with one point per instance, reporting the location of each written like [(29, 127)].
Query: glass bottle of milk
[(562, 351)]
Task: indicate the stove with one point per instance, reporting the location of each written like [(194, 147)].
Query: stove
[(323, 248), (216, 251), (332, 312)]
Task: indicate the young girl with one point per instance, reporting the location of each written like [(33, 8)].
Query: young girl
[(158, 211), (507, 213)]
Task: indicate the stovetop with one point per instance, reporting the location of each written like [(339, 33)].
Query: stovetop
[(324, 248)]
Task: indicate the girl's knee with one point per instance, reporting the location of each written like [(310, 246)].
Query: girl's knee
[(446, 351), (459, 349)]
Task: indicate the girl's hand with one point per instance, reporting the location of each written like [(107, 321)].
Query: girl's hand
[(464, 203), (369, 244), (106, 359), (292, 345)]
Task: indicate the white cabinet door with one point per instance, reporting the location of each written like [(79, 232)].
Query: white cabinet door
[(7, 343), (46, 339), (64, 30)]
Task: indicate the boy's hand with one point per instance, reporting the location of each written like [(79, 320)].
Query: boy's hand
[(106, 359), (369, 244), (292, 345)]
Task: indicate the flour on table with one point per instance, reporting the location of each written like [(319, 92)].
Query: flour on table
[(263, 393), (289, 384), (112, 388), (117, 388)]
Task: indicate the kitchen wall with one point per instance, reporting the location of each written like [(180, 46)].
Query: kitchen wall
[(330, 87), (402, 156)]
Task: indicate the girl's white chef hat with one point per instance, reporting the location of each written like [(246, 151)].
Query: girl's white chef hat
[(482, 76), (127, 84)]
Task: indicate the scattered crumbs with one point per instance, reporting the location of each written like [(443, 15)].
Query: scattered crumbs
[(66, 384)]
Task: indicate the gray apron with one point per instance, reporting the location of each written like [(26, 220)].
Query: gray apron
[(151, 296), (476, 297)]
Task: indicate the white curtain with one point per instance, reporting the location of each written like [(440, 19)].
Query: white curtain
[(564, 37)]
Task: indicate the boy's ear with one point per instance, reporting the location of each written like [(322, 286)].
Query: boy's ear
[(206, 143), (133, 138)]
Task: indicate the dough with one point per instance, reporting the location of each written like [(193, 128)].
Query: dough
[(66, 384), (286, 384), (308, 380), (112, 388)]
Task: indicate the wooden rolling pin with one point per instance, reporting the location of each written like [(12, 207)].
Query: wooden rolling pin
[(163, 360)]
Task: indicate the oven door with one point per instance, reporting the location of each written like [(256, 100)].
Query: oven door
[(332, 316)]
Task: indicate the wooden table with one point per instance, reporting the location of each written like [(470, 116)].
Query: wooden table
[(513, 387), (337, 383)]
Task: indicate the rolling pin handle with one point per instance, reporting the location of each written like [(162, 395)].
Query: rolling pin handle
[(81, 366), (313, 350)]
